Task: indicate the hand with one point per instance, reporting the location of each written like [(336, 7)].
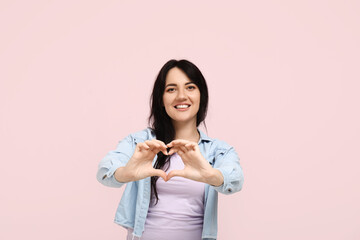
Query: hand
[(140, 164), (196, 167)]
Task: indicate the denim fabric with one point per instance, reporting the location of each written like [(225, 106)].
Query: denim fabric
[(134, 204)]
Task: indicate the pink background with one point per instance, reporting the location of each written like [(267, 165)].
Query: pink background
[(283, 76)]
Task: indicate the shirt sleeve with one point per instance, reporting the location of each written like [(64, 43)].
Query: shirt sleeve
[(228, 163), (113, 160)]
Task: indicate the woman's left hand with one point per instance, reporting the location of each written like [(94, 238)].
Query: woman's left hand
[(196, 167)]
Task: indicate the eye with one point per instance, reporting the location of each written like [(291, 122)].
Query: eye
[(170, 89), (191, 87)]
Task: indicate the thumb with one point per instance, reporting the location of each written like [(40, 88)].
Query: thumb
[(173, 173), (159, 173)]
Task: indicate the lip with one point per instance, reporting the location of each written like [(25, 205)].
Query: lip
[(182, 104), (182, 109)]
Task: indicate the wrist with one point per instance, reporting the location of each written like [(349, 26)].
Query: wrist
[(122, 175), (215, 178)]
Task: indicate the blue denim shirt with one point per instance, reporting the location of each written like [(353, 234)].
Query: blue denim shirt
[(134, 204)]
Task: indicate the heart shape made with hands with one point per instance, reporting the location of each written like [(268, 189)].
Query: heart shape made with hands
[(195, 165)]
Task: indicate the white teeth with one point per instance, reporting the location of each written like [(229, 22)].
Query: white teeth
[(182, 106)]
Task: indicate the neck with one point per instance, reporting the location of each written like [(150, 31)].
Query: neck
[(187, 131)]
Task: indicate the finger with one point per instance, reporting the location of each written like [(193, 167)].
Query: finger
[(159, 173), (152, 144), (190, 145), (157, 146), (173, 173), (163, 147), (180, 152), (177, 142), (143, 146), (173, 150), (183, 149), (164, 152), (157, 149), (160, 142)]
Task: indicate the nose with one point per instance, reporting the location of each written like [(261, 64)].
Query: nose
[(181, 95)]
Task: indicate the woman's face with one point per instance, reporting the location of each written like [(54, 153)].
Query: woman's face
[(181, 97)]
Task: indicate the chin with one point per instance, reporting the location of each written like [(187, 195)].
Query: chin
[(182, 120)]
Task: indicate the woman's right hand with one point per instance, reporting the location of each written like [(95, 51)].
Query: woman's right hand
[(140, 164)]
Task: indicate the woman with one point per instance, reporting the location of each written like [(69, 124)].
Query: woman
[(173, 170)]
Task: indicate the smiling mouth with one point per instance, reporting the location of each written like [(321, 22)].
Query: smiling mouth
[(182, 106)]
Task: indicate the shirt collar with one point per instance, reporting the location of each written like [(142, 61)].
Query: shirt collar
[(203, 136)]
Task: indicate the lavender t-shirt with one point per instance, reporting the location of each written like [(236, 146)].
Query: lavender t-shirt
[(179, 213)]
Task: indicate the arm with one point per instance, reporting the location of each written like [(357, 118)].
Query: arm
[(118, 167), (113, 160), (227, 162)]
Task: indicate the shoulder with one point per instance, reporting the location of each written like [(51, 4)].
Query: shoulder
[(221, 144), (220, 147), (129, 142), (214, 145), (141, 136)]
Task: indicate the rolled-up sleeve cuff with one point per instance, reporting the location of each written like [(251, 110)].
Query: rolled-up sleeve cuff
[(233, 180), (106, 177), (227, 186)]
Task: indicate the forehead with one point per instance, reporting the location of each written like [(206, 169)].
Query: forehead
[(177, 76)]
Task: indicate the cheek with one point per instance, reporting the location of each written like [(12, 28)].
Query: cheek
[(164, 98), (197, 98), (198, 103), (167, 101)]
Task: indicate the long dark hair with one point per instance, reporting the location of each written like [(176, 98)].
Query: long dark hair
[(159, 120)]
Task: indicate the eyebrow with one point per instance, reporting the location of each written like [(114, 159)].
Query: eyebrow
[(174, 84)]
